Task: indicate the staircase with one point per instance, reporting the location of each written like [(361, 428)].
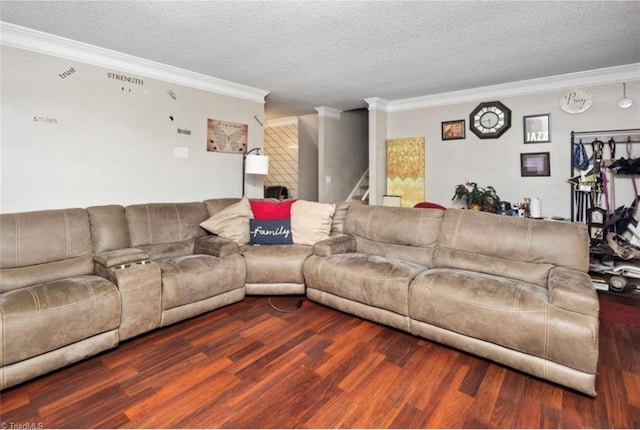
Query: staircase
[(360, 193)]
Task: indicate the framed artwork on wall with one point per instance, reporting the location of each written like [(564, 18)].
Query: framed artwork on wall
[(452, 130), (536, 128), (405, 169), (535, 164), (226, 136)]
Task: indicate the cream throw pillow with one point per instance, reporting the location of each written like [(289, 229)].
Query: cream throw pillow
[(310, 221), (231, 222)]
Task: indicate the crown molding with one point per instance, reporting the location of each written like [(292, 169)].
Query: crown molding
[(290, 120), (328, 112), (377, 103), (44, 43), (589, 78)]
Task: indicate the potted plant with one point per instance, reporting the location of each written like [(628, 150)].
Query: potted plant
[(484, 199)]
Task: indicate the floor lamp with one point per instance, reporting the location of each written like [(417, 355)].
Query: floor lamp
[(254, 164)]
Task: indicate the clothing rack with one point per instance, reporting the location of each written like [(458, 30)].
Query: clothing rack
[(633, 133), (620, 137)]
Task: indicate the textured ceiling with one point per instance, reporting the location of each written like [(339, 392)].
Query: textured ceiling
[(337, 53)]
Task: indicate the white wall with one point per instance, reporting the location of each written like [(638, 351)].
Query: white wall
[(497, 161), (344, 154), (83, 140), (308, 157)]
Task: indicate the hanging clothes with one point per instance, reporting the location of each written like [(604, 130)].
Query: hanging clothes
[(580, 158)]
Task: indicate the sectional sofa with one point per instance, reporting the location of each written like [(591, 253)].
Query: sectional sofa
[(75, 282)]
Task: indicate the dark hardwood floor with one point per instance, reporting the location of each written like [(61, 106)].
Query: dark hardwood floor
[(249, 366)]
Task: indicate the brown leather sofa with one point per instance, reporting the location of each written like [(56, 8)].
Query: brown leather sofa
[(515, 291), (75, 282), (54, 309), (197, 272), (78, 281)]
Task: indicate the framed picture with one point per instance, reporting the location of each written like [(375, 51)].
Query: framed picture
[(535, 164), (536, 129), (452, 130), (226, 136)]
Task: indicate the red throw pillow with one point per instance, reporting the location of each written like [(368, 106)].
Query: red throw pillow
[(271, 210)]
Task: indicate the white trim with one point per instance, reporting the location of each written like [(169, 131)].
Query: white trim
[(44, 43), (589, 78), (328, 112), (377, 103), (278, 122)]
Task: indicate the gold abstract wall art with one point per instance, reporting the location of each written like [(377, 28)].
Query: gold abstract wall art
[(405, 169)]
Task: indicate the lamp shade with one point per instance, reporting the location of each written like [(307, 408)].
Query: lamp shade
[(257, 164)]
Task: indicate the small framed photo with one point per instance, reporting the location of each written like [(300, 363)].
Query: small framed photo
[(535, 164), (536, 129), (452, 130)]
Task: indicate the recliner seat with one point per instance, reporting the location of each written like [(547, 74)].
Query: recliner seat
[(53, 309)]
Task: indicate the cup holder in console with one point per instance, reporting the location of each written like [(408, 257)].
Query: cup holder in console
[(123, 266), (143, 262)]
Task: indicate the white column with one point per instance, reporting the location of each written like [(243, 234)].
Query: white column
[(377, 149)]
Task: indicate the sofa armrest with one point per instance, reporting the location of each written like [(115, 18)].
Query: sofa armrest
[(120, 257), (573, 290), (216, 246), (335, 245)]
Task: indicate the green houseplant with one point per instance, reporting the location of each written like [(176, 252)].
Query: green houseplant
[(478, 198)]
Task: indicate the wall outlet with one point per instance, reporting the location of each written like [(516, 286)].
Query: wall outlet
[(327, 179)]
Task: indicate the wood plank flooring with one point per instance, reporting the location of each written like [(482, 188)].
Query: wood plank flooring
[(249, 366)]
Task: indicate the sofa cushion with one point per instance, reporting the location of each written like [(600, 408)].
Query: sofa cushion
[(505, 311), (270, 231), (231, 222), (109, 230), (41, 246), (192, 278), (370, 279), (166, 229), (311, 221), (263, 209), (48, 316), (275, 263), (483, 306), (31, 238), (401, 233), (523, 249)]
